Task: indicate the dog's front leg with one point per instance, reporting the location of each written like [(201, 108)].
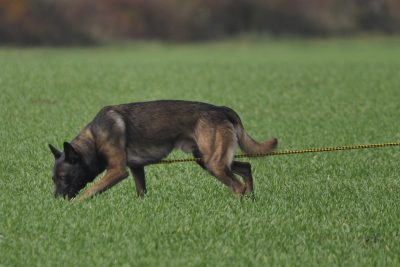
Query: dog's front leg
[(140, 182), (116, 166), (112, 177)]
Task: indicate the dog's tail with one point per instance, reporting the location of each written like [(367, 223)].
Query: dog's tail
[(246, 142)]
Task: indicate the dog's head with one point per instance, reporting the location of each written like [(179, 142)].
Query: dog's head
[(70, 174)]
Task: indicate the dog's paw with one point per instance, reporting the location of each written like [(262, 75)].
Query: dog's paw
[(239, 189), (250, 196)]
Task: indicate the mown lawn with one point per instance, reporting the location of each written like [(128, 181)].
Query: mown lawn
[(323, 209)]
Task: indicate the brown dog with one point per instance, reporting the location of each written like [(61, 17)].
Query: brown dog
[(139, 134)]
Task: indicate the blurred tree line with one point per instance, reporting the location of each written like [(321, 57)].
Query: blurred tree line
[(90, 21)]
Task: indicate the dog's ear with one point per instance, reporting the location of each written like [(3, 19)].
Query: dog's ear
[(57, 153), (71, 156)]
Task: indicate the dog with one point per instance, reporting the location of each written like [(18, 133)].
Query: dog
[(138, 134)]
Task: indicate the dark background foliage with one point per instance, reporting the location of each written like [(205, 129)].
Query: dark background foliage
[(88, 21)]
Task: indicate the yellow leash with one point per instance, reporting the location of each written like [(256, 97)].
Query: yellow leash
[(292, 152)]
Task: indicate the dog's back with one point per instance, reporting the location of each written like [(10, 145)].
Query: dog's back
[(173, 121)]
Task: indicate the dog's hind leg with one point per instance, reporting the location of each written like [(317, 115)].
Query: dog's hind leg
[(140, 182), (196, 154), (244, 169), (226, 176), (236, 168), (216, 148)]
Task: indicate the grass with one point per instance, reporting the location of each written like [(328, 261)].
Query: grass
[(311, 210)]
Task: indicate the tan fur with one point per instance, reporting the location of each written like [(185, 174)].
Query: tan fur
[(116, 162), (81, 140), (116, 170), (217, 145), (250, 146)]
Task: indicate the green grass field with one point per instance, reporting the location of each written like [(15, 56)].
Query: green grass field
[(323, 209)]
